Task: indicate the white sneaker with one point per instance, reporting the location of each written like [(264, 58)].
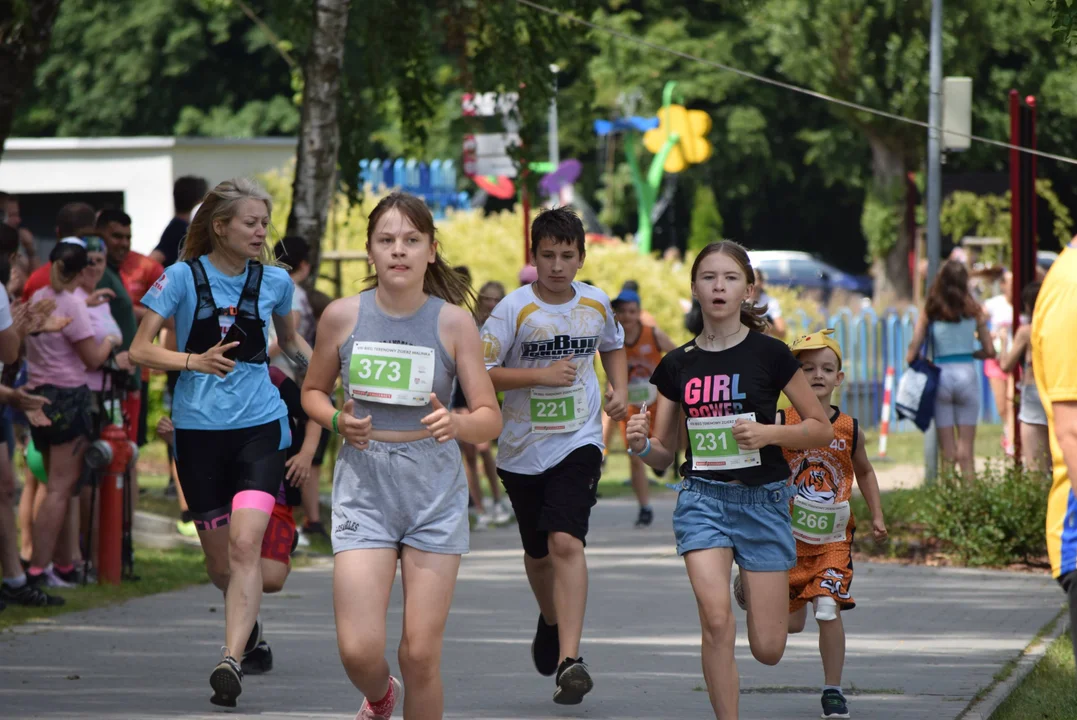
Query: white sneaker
[(304, 541), (482, 522), (500, 514), (506, 507), (54, 580)]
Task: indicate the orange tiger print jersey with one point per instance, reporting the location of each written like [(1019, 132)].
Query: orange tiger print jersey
[(825, 475)]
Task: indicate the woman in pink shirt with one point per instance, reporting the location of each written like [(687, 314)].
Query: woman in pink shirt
[(57, 364)]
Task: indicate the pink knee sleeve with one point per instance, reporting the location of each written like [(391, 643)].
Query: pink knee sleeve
[(255, 500)]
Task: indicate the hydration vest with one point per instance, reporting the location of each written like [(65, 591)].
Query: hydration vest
[(206, 329)]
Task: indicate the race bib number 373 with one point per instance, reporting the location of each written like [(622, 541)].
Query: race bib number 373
[(390, 373), (713, 445)]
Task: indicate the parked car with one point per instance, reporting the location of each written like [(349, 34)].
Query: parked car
[(1045, 259), (791, 268)]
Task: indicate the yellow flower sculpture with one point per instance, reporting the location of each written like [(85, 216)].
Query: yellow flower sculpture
[(691, 126)]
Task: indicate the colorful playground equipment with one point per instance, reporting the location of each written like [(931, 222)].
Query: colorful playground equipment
[(677, 137), (434, 182)]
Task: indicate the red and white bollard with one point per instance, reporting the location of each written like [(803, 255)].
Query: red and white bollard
[(884, 425)]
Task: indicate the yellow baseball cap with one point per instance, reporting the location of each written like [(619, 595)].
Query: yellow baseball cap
[(817, 341)]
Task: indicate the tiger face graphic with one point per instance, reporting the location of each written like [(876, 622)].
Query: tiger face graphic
[(818, 479)]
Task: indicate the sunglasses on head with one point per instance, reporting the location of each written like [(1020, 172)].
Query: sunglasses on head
[(94, 243)]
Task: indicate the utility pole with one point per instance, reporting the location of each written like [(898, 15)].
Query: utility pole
[(934, 197), (554, 145)]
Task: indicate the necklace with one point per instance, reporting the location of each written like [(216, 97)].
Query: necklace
[(712, 338)]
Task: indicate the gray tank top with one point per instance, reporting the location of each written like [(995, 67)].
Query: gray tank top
[(419, 330)]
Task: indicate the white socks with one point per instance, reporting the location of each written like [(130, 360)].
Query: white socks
[(826, 608)]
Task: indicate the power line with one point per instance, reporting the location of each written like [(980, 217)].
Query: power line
[(788, 86)]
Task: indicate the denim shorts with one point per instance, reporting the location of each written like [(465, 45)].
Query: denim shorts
[(753, 521)]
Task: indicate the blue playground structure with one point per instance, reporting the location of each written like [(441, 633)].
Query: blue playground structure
[(434, 182)]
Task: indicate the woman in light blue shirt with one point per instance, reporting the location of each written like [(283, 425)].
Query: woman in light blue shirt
[(231, 426), (958, 337)]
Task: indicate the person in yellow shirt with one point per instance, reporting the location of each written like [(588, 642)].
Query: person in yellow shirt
[(1054, 360)]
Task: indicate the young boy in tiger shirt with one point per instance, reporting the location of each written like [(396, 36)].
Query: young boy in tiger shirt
[(822, 522)]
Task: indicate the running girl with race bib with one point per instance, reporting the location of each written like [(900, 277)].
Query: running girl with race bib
[(399, 490), (540, 344), (734, 499)]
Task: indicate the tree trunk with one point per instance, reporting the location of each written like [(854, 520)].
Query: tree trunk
[(24, 40), (319, 130), (885, 222)]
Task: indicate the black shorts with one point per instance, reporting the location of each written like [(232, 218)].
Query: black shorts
[(459, 400), (215, 465), (557, 500), (69, 411), (143, 414), (319, 452), (7, 432)]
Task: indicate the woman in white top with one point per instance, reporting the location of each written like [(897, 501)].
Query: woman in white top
[(999, 311), (1035, 438)]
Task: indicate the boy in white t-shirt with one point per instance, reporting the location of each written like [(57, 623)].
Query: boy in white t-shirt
[(540, 343)]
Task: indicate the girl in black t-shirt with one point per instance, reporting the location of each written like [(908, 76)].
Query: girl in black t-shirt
[(734, 499)]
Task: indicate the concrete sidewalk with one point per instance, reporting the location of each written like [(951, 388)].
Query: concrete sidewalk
[(922, 642)]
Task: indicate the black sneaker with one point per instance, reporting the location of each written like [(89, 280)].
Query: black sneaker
[(645, 518), (29, 595), (738, 592), (226, 682), (73, 576), (545, 648), (257, 661), (315, 528), (254, 638), (573, 682), (834, 705)]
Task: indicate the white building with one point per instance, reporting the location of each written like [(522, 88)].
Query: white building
[(134, 173)]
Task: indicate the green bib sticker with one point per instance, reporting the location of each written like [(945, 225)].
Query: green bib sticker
[(390, 373), (817, 524), (713, 445), (558, 410), (641, 391)]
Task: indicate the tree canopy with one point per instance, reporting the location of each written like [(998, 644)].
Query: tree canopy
[(837, 178)]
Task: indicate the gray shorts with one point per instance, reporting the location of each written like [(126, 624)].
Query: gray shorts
[(395, 494), (958, 401), (1032, 412)]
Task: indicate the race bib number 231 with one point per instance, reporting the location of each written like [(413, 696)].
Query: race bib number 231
[(713, 445)]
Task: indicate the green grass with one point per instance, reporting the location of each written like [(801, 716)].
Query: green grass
[(1049, 692), (907, 448), (159, 571)]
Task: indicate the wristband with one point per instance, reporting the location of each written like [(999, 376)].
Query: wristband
[(644, 452), (187, 363), (336, 417)]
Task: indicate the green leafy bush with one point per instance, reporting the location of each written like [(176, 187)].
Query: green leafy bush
[(995, 519)]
